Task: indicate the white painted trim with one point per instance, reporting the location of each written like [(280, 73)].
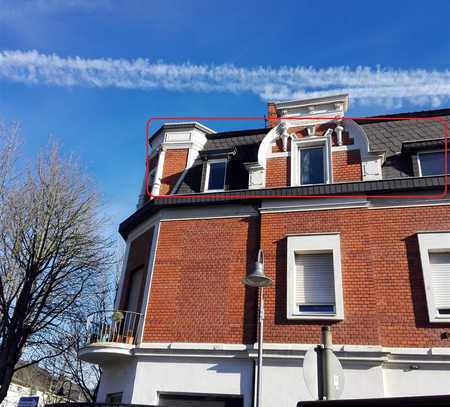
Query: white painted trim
[(148, 281), (208, 163), (206, 212), (416, 204), (311, 205), (278, 155), (324, 100), (438, 241), (159, 173), (207, 218), (312, 244), (367, 353), (122, 273)]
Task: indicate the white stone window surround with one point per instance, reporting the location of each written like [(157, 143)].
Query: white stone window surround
[(314, 244), (208, 164), (310, 142), (436, 242)]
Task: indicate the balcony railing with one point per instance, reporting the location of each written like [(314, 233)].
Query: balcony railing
[(113, 327)]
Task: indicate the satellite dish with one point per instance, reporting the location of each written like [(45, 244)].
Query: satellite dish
[(310, 375)]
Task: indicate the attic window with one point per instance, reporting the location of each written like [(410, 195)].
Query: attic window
[(433, 163), (215, 175)]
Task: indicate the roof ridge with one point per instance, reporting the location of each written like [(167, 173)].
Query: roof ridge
[(420, 113)]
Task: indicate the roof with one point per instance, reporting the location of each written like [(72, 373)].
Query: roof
[(245, 143), (388, 133), (397, 136)]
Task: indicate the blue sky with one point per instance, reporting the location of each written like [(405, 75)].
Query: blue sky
[(204, 58)]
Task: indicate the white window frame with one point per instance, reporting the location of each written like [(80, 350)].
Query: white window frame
[(314, 244), (208, 164), (432, 242), (311, 142), (419, 163), (151, 182)]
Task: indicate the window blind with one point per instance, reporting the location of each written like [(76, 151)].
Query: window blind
[(314, 279), (440, 279)]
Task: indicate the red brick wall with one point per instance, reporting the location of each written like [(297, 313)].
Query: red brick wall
[(197, 294), (346, 166), (278, 172), (174, 163), (271, 115), (384, 295)]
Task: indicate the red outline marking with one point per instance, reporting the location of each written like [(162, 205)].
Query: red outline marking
[(438, 119)]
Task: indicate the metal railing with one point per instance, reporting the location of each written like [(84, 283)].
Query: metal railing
[(113, 326)]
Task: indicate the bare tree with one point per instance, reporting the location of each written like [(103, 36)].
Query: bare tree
[(53, 254)]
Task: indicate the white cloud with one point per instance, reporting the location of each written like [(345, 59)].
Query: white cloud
[(389, 87)]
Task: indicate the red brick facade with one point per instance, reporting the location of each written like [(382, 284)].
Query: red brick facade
[(346, 166), (197, 294), (278, 172), (174, 163)]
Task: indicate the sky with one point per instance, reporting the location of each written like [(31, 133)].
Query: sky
[(90, 73)]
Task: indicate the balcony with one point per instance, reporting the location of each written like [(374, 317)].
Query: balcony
[(110, 335)]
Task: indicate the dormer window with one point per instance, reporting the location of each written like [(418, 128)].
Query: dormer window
[(215, 175), (310, 161), (312, 165), (433, 163)]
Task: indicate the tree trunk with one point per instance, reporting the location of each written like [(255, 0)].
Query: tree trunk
[(8, 359), (12, 342)]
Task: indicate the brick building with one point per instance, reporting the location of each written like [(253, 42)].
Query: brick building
[(354, 222)]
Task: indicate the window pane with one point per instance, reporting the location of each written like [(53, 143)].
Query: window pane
[(216, 175), (311, 166), (433, 163), (440, 280), (317, 309)]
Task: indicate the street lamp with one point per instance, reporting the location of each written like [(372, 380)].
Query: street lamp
[(257, 278)]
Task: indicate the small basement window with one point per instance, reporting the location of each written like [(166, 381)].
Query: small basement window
[(114, 398), (433, 163), (215, 175)]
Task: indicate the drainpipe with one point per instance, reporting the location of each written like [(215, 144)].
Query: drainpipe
[(327, 380)]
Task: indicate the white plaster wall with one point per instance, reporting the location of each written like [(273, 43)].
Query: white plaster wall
[(427, 381), (362, 380), (118, 377), (284, 383), (192, 375), (143, 377)]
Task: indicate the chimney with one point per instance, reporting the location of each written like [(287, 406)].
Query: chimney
[(272, 116)]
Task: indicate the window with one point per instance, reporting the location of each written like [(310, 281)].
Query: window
[(314, 282), (113, 398), (215, 175), (200, 400), (135, 288), (435, 258), (310, 161), (312, 169), (151, 178), (433, 163)]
